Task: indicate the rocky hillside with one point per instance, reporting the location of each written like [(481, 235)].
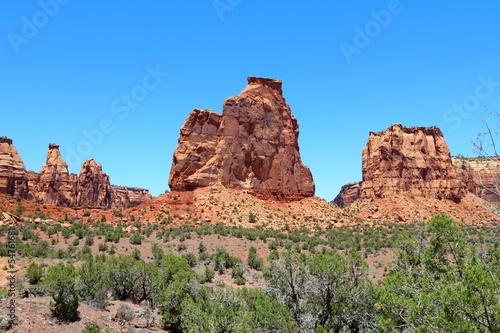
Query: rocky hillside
[(253, 145), (54, 185)]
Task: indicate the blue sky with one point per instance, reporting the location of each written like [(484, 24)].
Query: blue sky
[(348, 68)]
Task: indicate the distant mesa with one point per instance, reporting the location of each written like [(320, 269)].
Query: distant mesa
[(412, 161), (54, 184), (253, 145)]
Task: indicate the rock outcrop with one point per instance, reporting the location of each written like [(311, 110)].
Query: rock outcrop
[(348, 194), (13, 178), (54, 185), (124, 197), (253, 145), (481, 175), (414, 161), (94, 188)]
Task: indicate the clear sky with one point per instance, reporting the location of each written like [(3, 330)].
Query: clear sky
[(115, 80)]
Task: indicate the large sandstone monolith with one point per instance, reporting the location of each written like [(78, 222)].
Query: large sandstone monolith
[(410, 160), (253, 145)]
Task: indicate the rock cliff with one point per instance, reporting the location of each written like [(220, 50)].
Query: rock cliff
[(94, 188), (124, 197), (54, 185), (348, 194), (414, 161), (13, 177), (482, 176), (253, 145)]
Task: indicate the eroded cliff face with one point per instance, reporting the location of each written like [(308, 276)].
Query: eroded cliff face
[(414, 161), (13, 177), (481, 175), (348, 194), (94, 187), (253, 145), (124, 196), (54, 185)]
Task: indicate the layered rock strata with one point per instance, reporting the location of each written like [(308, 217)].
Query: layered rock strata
[(253, 145), (414, 161), (54, 185)]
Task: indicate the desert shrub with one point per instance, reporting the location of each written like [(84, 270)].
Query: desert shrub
[(89, 240), (181, 247), (252, 218), (135, 239), (26, 234), (208, 275), (34, 273), (91, 328), (60, 283), (190, 258), (125, 313), (158, 252), (136, 254), (253, 260), (92, 280), (237, 275), (86, 213), (273, 255)]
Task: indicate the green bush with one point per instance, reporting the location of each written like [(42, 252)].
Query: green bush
[(252, 218), (135, 239), (125, 313), (91, 328), (60, 283), (253, 260), (136, 254), (34, 273)]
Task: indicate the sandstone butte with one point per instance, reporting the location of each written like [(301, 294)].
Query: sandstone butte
[(412, 161), (54, 185), (482, 176), (253, 146)]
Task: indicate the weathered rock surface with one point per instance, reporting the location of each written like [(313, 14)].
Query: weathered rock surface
[(54, 185), (13, 178), (414, 161), (253, 145), (124, 197), (348, 194), (94, 188), (481, 175)]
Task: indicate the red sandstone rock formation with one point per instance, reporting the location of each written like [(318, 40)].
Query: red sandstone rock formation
[(482, 176), (53, 185), (253, 145), (94, 188), (13, 179), (348, 194), (124, 197), (414, 161)]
